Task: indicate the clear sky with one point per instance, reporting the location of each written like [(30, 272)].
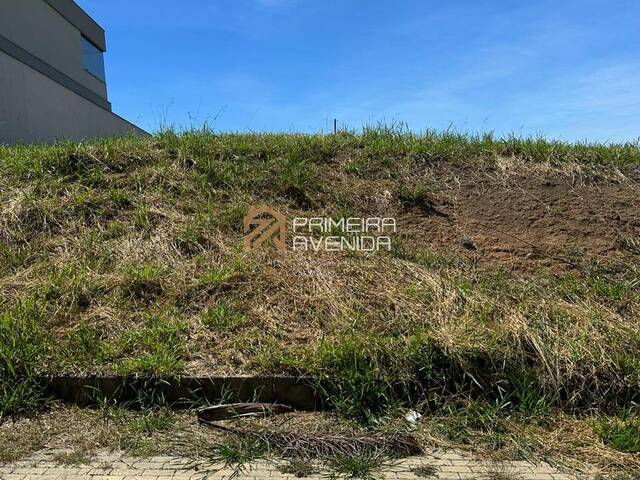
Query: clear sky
[(568, 69)]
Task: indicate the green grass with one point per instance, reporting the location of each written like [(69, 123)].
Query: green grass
[(129, 249), (364, 466), (222, 276), (363, 377), (162, 363), (223, 318), (620, 434), (153, 421), (238, 452), (144, 282), (157, 346), (418, 196), (81, 347), (23, 349)]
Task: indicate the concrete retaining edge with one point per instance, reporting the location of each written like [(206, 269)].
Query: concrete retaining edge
[(184, 391)]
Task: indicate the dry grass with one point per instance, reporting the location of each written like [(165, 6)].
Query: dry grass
[(126, 256), (567, 442)]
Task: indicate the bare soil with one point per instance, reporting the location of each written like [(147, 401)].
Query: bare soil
[(528, 221)]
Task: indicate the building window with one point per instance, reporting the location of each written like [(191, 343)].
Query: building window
[(93, 59)]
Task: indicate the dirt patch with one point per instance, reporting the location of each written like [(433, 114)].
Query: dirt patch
[(528, 221)]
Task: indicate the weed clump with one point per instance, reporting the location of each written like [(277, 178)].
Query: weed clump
[(620, 434), (23, 349)]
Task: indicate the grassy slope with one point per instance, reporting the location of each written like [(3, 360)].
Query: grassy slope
[(126, 256)]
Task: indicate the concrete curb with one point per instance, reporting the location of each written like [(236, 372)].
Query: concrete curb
[(185, 391)]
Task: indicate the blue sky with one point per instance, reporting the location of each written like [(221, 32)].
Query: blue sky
[(567, 69)]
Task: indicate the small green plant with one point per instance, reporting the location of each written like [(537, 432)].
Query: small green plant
[(80, 346), (142, 219), (363, 377), (425, 471), (153, 421), (364, 466), (355, 166), (154, 349), (191, 239), (458, 422), (217, 277), (594, 285), (419, 197), (230, 217), (115, 229), (501, 475), (632, 245), (297, 179), (161, 364), (121, 198), (71, 288), (144, 282), (501, 471), (526, 394), (298, 468), (224, 317), (620, 434), (74, 457), (237, 452)]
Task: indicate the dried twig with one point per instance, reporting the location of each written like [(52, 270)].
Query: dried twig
[(291, 444)]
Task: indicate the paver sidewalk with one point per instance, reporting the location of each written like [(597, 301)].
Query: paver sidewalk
[(438, 465)]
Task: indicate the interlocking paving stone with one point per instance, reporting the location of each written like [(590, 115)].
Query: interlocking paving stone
[(108, 466)]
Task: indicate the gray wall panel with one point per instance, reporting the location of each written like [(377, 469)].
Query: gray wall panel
[(25, 57), (83, 22), (40, 29), (35, 109)]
